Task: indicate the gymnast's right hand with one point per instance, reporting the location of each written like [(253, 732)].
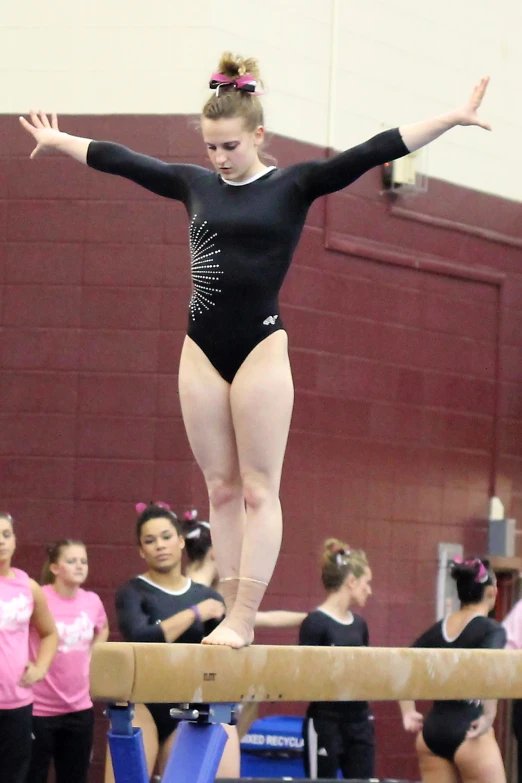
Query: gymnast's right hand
[(45, 133), (412, 721), (211, 609)]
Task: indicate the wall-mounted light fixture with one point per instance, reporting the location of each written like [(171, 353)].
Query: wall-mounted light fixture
[(401, 177)]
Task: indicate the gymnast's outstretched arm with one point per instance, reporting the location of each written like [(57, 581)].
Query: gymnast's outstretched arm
[(317, 178), (48, 136), (279, 618), (421, 133), (165, 179)]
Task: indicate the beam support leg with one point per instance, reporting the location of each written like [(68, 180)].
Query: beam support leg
[(126, 746), (196, 753)]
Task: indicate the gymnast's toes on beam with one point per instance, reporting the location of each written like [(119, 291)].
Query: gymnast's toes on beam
[(231, 634), (237, 629)]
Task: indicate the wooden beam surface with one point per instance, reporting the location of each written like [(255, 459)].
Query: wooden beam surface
[(202, 673)]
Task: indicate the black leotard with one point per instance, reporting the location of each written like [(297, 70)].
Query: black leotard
[(141, 606), (447, 723), (344, 729), (242, 238)]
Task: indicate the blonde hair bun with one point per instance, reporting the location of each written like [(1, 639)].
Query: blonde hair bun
[(227, 102), (234, 66), (338, 560)]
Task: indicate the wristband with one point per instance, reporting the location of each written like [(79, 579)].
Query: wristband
[(196, 611)]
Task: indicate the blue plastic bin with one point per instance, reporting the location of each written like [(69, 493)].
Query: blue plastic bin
[(273, 748)]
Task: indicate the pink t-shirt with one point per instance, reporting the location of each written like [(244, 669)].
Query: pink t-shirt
[(16, 609), (65, 688), (513, 626)]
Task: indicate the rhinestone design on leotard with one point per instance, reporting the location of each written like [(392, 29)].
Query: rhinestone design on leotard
[(205, 272)]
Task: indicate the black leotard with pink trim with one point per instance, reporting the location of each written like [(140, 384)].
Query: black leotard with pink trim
[(447, 723)]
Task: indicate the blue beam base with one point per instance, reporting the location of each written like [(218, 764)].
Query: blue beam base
[(196, 753), (126, 746)]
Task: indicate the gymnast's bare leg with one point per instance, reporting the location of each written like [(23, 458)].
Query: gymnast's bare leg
[(434, 769), (479, 760), (238, 434)]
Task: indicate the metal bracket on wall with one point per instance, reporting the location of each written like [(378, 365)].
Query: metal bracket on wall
[(447, 599)]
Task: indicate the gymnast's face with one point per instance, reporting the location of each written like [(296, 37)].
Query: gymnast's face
[(360, 587), (7, 541), (160, 545), (71, 567), (233, 150)]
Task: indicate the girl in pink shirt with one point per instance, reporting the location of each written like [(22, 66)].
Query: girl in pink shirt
[(22, 606), (63, 716)]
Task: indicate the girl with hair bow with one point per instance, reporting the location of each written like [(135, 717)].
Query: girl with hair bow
[(455, 741), (235, 382)]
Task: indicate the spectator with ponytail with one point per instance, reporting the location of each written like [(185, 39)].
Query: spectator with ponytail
[(201, 563), (339, 734), (23, 607), (456, 740), (63, 715)]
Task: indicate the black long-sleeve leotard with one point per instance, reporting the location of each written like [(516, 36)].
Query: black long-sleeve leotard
[(447, 723), (337, 734), (141, 606), (321, 630), (242, 238)]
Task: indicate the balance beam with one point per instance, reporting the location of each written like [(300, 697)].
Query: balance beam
[(198, 673)]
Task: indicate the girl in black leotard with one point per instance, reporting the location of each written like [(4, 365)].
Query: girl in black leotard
[(456, 737), (339, 734), (235, 382), (163, 605)]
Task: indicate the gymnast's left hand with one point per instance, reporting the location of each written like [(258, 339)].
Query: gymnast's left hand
[(413, 721), (479, 727), (32, 674), (46, 134), (468, 113)]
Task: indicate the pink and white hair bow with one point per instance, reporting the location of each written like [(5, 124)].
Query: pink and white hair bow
[(482, 574), (141, 507), (246, 83)]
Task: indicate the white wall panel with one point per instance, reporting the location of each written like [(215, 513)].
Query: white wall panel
[(336, 70), (400, 61)]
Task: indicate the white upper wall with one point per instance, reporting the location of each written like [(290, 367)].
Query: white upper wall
[(337, 71), (398, 61)]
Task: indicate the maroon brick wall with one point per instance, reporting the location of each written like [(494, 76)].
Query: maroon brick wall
[(406, 347)]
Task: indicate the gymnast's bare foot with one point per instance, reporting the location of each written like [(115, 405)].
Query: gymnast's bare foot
[(241, 635)]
